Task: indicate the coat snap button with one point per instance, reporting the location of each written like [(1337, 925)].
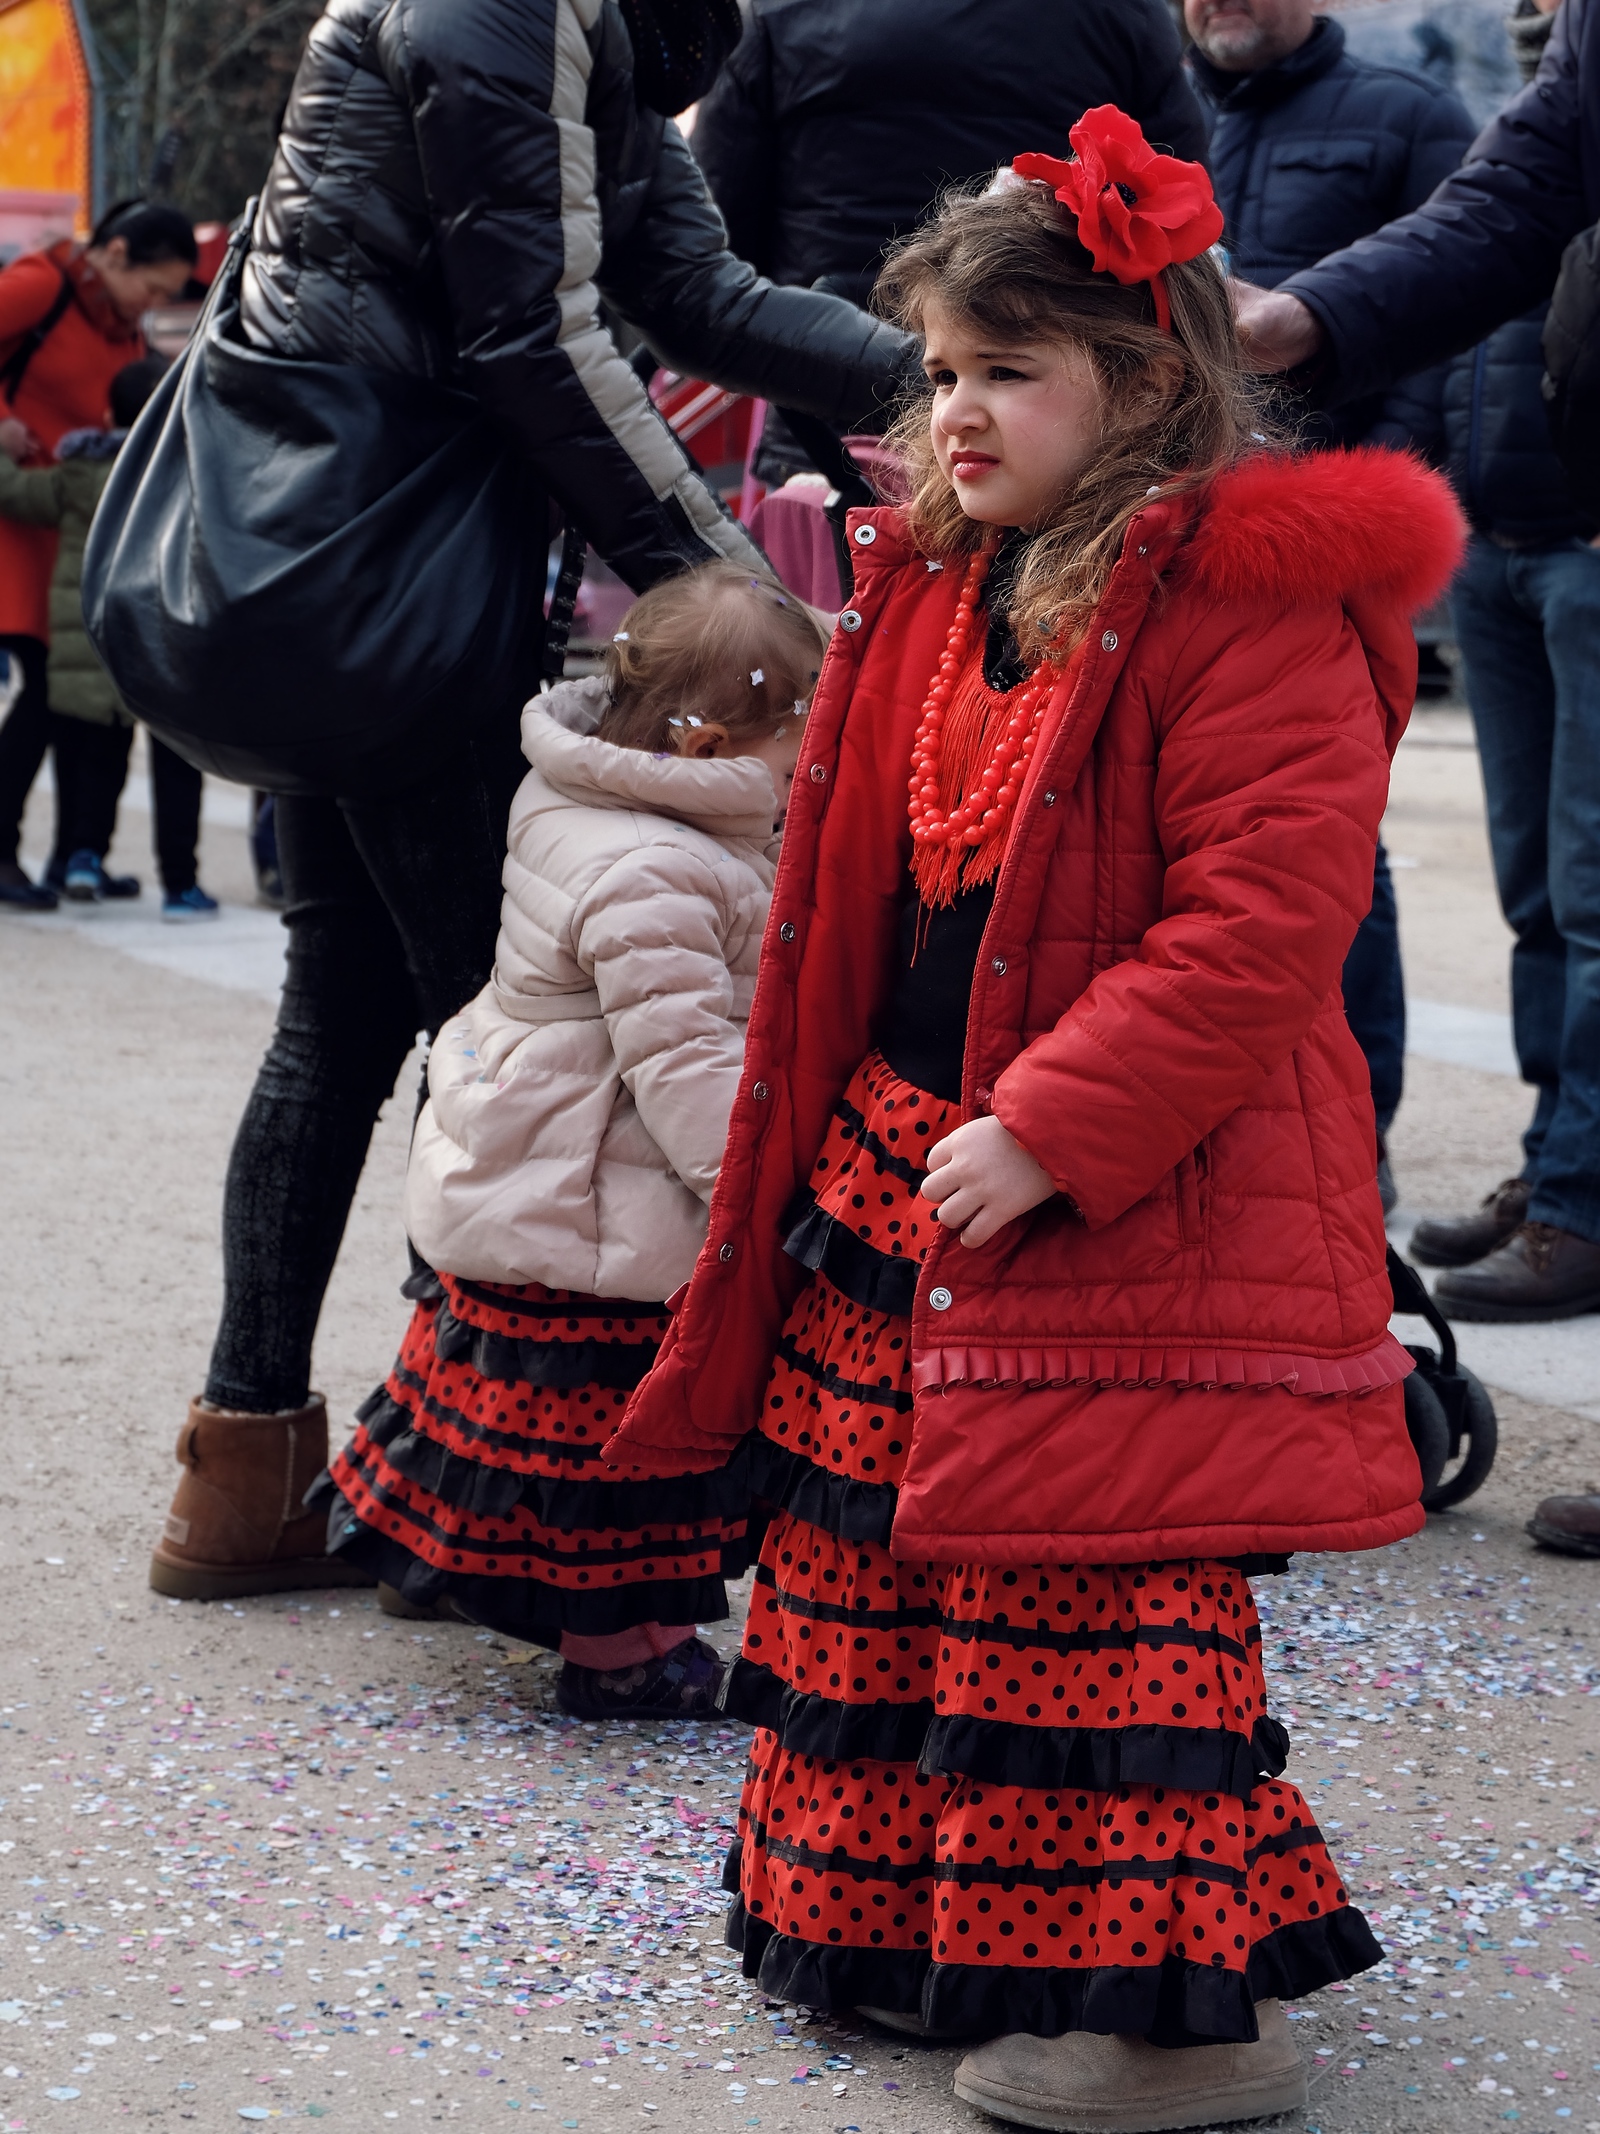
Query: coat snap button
[(726, 1253), (999, 966), (940, 1299), (1108, 643), (849, 619), (785, 931), (1049, 800), (761, 1092), (866, 535), (818, 774)]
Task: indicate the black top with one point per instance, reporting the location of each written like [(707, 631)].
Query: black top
[(923, 1034), (414, 223), (835, 125)]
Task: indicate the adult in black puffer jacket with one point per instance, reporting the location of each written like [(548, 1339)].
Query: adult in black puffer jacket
[(460, 182), (458, 186), (834, 124)]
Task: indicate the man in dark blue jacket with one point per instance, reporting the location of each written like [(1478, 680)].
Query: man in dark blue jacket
[(1484, 249), (1310, 149)]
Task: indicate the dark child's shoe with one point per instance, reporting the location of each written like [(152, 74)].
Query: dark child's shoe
[(1458, 1240), (190, 905), (1539, 1273), (17, 890), (1570, 1524), (443, 1610), (86, 881), (1084, 2083), (681, 1685), (905, 2024), (238, 1523), (81, 878)]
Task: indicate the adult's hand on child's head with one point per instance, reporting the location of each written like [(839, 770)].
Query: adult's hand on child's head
[(1276, 331), (17, 441), (981, 1177)]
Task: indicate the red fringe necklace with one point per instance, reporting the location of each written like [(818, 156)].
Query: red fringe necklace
[(970, 758)]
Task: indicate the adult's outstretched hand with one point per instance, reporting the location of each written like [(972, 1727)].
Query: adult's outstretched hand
[(1276, 331)]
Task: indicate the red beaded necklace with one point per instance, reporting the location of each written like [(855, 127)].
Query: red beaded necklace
[(943, 836)]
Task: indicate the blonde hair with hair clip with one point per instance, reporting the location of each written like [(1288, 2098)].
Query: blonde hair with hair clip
[(717, 646), (1177, 408)]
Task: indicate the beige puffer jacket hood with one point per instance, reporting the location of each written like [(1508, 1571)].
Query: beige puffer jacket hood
[(577, 1108)]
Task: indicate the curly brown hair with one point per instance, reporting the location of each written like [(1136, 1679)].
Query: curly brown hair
[(1177, 407), (716, 646)]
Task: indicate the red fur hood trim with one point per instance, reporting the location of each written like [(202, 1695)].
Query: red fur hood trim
[(1358, 523)]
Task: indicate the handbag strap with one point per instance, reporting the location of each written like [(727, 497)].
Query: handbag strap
[(564, 598), (15, 368)]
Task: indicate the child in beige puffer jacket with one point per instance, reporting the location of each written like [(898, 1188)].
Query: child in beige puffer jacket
[(564, 1161)]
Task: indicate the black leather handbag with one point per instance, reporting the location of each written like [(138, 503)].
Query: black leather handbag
[(303, 574)]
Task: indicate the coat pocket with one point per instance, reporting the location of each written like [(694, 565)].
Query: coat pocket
[(1194, 1195)]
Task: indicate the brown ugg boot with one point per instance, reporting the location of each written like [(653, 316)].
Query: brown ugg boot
[(238, 1524), (1086, 2084)]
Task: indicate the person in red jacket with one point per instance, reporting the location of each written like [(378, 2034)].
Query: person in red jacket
[(69, 321), (1044, 1285)]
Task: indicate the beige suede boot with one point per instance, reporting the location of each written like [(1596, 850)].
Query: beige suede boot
[(237, 1524), (1086, 2084)]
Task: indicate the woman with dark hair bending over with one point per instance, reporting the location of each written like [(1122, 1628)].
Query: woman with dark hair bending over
[(1046, 1264), (69, 321)]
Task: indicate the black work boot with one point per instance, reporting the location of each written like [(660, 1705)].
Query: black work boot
[(1458, 1240)]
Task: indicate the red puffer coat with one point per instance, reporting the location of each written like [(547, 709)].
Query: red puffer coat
[(1156, 1017)]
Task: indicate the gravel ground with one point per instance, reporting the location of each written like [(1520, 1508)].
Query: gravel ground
[(291, 1859)]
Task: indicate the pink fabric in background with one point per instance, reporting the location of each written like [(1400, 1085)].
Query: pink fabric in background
[(789, 524)]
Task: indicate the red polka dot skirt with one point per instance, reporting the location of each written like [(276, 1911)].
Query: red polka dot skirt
[(476, 1471), (1008, 1800)]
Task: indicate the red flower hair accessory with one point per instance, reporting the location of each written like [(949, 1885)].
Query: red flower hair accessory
[(1137, 211)]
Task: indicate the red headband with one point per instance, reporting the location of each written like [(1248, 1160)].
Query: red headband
[(1137, 212)]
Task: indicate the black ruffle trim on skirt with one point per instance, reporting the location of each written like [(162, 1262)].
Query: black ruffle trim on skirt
[(859, 1271), (1174, 2003), (553, 1500), (1192, 1759), (526, 1608), (562, 1366), (837, 1504), (809, 1724)]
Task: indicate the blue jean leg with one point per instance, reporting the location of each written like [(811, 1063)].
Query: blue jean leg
[(1566, 583), (1375, 995), (1529, 628)]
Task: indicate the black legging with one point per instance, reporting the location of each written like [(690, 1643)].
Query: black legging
[(24, 737), (392, 908)]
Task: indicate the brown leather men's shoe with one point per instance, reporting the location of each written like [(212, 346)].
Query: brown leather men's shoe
[(1539, 1273), (1087, 2084), (1571, 1524), (1458, 1240), (238, 1524)]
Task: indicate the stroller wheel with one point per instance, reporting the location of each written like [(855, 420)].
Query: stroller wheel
[(1472, 1455), (1429, 1430)]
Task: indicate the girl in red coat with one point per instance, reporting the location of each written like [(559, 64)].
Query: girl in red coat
[(1046, 1261)]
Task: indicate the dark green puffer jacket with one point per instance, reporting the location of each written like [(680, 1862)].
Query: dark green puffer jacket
[(65, 496)]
